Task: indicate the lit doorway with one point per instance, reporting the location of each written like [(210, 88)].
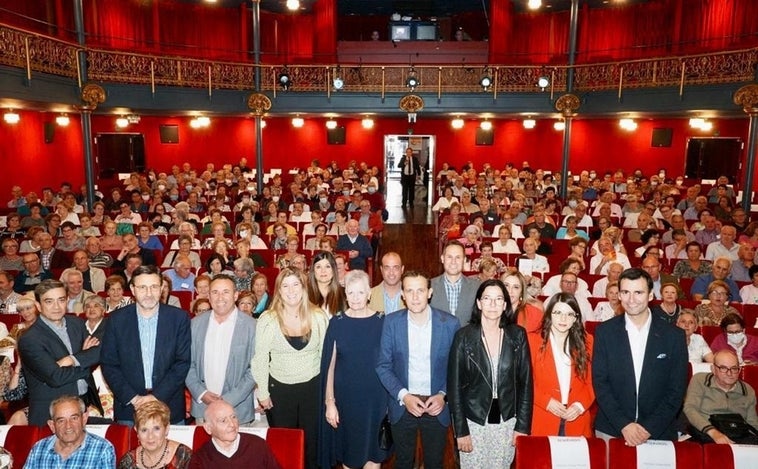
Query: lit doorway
[(424, 147)]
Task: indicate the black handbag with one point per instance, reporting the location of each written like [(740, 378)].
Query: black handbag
[(733, 426), (385, 434)]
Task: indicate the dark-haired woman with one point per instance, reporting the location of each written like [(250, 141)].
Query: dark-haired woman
[(561, 357), (489, 381), (324, 289)]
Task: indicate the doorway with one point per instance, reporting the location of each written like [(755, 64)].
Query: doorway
[(424, 148), (711, 157), (119, 153)]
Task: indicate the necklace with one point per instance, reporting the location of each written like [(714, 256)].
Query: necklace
[(157, 464)]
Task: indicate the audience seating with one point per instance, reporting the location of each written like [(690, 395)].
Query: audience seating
[(719, 456), (18, 440), (620, 456), (533, 452), (709, 333)]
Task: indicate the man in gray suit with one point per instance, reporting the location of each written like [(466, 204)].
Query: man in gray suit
[(454, 292), (223, 342)]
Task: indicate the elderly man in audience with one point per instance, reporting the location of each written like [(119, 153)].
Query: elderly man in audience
[(8, 297), (186, 229), (357, 245), (677, 223), (93, 277), (131, 246), (181, 276), (605, 256), (745, 260), (70, 445), (710, 231), (720, 392), (652, 265), (693, 212), (50, 257), (32, 274), (97, 257), (721, 269), (74, 282), (724, 246)]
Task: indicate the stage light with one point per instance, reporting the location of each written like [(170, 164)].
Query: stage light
[(62, 120), (534, 4), (529, 123), (701, 124), (331, 124), (628, 124), (559, 126), (298, 122), (367, 123), (11, 117), (412, 81), (284, 80), (338, 83), (122, 122), (486, 81), (486, 125), (457, 123), (543, 82), (293, 5)]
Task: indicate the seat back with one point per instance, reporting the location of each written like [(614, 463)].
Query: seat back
[(288, 446), (18, 440), (534, 452), (120, 437), (723, 457), (689, 455)]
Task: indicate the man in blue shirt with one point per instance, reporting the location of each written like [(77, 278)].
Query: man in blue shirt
[(70, 446)]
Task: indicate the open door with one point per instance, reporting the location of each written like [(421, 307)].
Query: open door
[(119, 153), (423, 147)]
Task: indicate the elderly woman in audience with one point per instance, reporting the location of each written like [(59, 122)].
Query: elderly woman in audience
[(505, 244), (155, 450), (288, 346), (561, 356), (293, 244), (14, 386), (11, 260), (735, 338), (243, 274), (697, 348), (451, 225), (355, 403), (110, 241), (695, 265), (35, 217), (200, 306), (471, 240), (313, 244), (714, 311), (218, 230), (324, 289), (13, 228), (339, 226), (444, 202), (260, 290), (246, 302), (538, 262), (578, 250), (569, 231), (668, 309), (185, 249), (250, 233), (279, 240), (115, 285), (605, 310), (749, 292), (94, 313), (487, 251), (527, 311), (328, 244), (220, 247), (486, 269)]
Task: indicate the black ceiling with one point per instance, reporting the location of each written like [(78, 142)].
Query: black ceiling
[(419, 8)]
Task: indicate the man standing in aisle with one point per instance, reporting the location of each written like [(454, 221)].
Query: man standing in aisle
[(409, 169)]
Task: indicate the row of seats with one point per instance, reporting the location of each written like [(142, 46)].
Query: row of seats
[(288, 445)]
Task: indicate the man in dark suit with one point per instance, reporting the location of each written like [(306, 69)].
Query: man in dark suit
[(412, 367), (639, 368), (409, 169), (454, 292), (57, 354), (146, 350)]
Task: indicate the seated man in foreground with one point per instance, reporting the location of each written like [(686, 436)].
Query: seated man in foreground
[(720, 392), (70, 446), (228, 447)]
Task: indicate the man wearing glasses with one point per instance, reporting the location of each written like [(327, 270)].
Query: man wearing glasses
[(8, 298), (719, 392), (32, 274), (146, 350)]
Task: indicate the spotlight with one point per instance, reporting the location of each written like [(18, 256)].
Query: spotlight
[(457, 123), (560, 125), (543, 82), (62, 120), (486, 125), (701, 124), (284, 80), (529, 123), (199, 122), (298, 122), (122, 122), (331, 124), (534, 4), (486, 81), (293, 4), (628, 124), (11, 117), (367, 123), (412, 81), (338, 83)]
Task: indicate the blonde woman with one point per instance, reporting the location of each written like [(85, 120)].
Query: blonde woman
[(286, 365)]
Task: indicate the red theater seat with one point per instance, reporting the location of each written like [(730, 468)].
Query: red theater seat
[(19, 440), (718, 456), (688, 455), (121, 437), (533, 452)]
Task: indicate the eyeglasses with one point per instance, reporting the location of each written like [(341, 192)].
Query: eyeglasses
[(568, 314), (145, 288), (498, 300), (728, 370), (735, 332)]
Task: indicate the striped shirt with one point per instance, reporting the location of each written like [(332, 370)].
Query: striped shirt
[(148, 330)]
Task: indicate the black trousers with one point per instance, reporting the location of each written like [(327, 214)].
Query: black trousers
[(433, 440), (297, 406), (409, 188)]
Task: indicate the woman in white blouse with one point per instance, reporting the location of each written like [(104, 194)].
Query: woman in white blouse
[(444, 202), (697, 347)]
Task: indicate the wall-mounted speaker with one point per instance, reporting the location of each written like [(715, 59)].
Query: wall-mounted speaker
[(485, 137), (662, 137), (335, 136), (169, 133), (49, 132)]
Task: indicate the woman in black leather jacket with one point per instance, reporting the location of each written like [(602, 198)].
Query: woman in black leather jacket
[(489, 408)]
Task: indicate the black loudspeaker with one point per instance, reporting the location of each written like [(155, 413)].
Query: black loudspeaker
[(485, 137), (662, 137), (49, 132), (169, 133), (335, 136)]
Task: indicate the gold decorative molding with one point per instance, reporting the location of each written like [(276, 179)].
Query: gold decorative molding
[(747, 97), (259, 103), (411, 103), (92, 95), (568, 104)]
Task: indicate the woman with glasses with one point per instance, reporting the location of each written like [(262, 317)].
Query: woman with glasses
[(561, 365), (11, 259), (489, 381), (736, 339), (714, 311)]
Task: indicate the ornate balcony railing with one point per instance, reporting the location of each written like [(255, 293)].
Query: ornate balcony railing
[(38, 53)]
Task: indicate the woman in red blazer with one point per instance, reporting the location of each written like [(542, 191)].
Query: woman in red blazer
[(561, 367)]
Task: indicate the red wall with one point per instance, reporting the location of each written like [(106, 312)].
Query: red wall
[(596, 143)]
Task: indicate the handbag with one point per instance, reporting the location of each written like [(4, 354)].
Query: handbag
[(385, 434), (733, 426)]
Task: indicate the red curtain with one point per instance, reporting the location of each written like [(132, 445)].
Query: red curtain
[(287, 39), (719, 24), (325, 32), (123, 25), (205, 31)]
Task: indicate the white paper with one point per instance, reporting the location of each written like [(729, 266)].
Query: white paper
[(98, 430), (525, 266), (745, 456), (184, 434), (4, 429), (257, 431), (656, 454), (701, 368), (569, 452)]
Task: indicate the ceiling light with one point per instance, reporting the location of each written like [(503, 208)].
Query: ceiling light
[(338, 83), (486, 125), (697, 122), (707, 125), (412, 81), (298, 122), (331, 124), (560, 125), (122, 122), (529, 123), (534, 4), (11, 117), (486, 81), (204, 121), (263, 124), (62, 120), (543, 82), (457, 123), (367, 123), (293, 4), (628, 124), (284, 80)]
